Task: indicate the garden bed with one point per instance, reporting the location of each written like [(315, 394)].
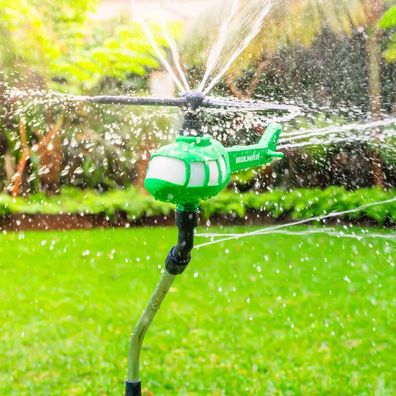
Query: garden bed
[(76, 209), (42, 222)]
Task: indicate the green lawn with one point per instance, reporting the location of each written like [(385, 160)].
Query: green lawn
[(267, 315)]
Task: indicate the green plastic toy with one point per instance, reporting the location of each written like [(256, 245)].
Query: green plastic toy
[(197, 168), (192, 169)]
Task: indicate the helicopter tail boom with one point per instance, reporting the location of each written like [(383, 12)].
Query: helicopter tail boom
[(245, 157)]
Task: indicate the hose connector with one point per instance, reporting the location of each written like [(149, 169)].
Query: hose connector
[(180, 255)]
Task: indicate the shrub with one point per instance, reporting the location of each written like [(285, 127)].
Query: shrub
[(277, 204)]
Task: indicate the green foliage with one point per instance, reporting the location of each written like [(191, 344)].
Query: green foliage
[(389, 19), (389, 22), (271, 315), (73, 200), (277, 204), (60, 40), (244, 178), (304, 203), (33, 33), (116, 52)]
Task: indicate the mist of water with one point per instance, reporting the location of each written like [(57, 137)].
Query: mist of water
[(374, 137), (357, 127), (219, 45), (122, 129), (173, 46), (256, 28), (156, 48), (325, 230)]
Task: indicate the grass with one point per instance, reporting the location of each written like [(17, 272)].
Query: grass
[(269, 315)]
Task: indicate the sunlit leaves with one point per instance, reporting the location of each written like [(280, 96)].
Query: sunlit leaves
[(60, 40), (388, 22), (389, 19), (122, 51), (22, 25)]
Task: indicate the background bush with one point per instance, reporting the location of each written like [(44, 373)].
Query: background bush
[(277, 204)]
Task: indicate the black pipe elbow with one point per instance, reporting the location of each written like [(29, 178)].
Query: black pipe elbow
[(180, 255)]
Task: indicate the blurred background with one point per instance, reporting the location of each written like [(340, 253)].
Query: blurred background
[(335, 59)]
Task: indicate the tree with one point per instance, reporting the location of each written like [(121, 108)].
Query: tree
[(297, 23), (63, 45), (59, 46)]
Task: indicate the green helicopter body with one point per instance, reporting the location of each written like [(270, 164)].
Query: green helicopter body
[(196, 168)]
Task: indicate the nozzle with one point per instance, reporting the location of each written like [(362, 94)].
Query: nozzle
[(193, 100), (192, 124)]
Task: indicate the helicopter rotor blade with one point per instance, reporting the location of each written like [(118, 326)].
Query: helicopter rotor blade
[(188, 101), (242, 105), (233, 105), (135, 100)]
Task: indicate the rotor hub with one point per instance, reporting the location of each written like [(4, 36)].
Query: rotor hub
[(192, 125), (193, 100)]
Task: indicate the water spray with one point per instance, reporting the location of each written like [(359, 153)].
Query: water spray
[(195, 167)]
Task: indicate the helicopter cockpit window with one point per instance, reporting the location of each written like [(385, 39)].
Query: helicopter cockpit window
[(197, 178), (168, 169), (223, 168), (213, 173)]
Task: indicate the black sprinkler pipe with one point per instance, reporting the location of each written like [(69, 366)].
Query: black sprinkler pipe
[(175, 264), (135, 100)]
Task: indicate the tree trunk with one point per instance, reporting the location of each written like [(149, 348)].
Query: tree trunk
[(21, 167), (141, 168), (235, 91), (374, 57), (9, 167), (260, 68), (50, 152)]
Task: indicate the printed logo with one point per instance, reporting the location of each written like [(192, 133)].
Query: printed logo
[(247, 158)]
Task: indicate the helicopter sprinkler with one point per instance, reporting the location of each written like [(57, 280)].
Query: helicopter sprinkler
[(194, 168)]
